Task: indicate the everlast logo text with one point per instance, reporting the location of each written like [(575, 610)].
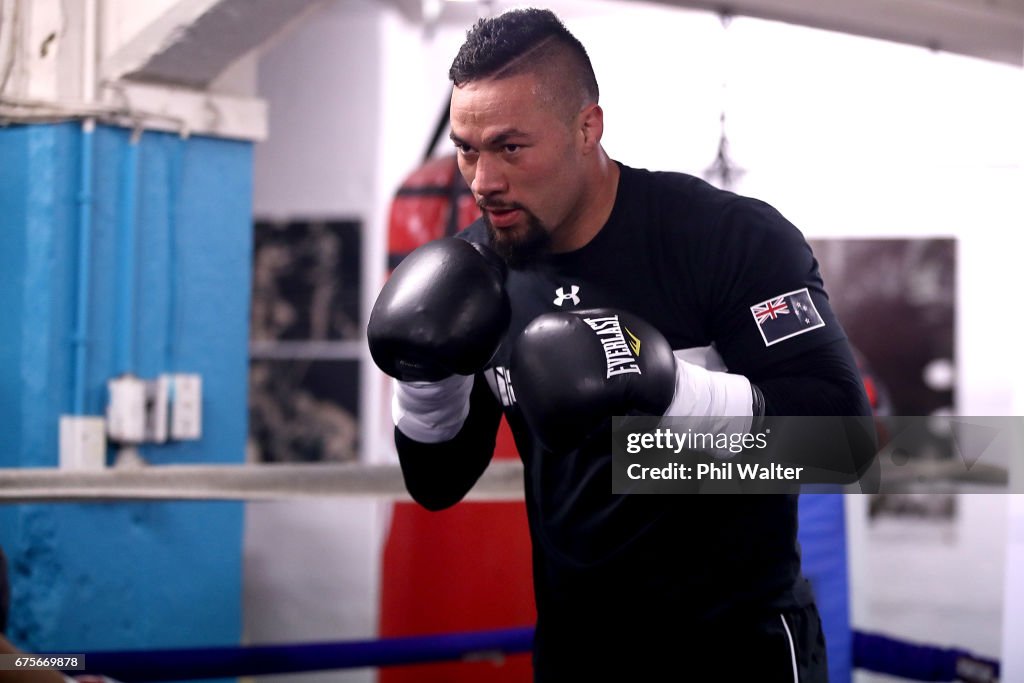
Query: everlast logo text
[(619, 352)]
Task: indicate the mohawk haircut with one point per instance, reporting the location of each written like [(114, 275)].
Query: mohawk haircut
[(525, 41)]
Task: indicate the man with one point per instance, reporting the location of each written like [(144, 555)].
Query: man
[(628, 587)]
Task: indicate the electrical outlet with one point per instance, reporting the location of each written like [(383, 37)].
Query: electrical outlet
[(83, 443), (186, 406)]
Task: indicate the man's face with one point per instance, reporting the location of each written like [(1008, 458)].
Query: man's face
[(522, 160)]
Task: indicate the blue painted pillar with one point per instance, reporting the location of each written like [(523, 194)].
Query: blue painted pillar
[(824, 554), (123, 576)]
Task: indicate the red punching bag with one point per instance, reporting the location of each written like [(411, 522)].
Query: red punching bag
[(432, 202), (466, 568)]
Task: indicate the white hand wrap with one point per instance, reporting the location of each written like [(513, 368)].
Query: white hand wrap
[(718, 397), (431, 412)]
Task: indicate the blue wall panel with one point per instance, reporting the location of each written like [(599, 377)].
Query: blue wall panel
[(13, 216), (120, 576)]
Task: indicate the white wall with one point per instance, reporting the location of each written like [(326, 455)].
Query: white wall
[(846, 136), (312, 567), (1013, 602), (353, 96), (121, 20)]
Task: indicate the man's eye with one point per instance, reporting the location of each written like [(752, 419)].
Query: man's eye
[(512, 148)]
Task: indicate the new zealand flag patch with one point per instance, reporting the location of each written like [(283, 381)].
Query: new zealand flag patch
[(786, 316)]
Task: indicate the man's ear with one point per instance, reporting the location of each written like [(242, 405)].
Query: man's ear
[(591, 128)]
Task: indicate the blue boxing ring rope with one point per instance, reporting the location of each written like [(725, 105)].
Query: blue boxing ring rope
[(225, 662), (917, 662), (872, 652)]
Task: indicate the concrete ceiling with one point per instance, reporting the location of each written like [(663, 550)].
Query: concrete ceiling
[(196, 40), (987, 29)]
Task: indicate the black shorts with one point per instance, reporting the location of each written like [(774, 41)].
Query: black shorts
[(785, 646)]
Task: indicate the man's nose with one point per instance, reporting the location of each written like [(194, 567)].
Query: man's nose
[(488, 178)]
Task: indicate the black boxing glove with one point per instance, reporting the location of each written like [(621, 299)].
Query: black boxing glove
[(572, 370), (442, 312)]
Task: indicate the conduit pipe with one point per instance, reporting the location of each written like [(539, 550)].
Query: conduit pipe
[(127, 277), (80, 334)]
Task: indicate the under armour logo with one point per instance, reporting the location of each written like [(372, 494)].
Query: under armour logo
[(562, 296)]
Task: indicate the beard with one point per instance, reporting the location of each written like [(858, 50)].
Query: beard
[(521, 247)]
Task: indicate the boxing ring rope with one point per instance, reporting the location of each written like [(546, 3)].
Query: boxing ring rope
[(228, 662), (917, 662), (872, 652), (503, 480)]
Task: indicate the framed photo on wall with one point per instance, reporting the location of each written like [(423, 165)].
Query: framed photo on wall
[(305, 341)]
